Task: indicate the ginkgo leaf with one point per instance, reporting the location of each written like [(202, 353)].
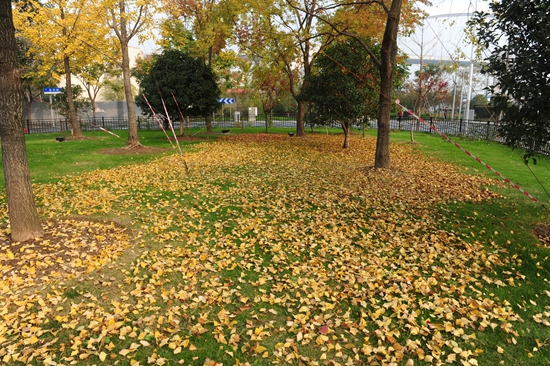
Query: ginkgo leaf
[(326, 259), (102, 356)]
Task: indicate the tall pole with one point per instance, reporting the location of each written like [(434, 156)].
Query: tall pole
[(51, 108), (454, 98), (460, 110), (470, 81)]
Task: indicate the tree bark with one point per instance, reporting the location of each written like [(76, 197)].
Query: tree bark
[(346, 128), (388, 55), (24, 220), (133, 138), (73, 118), (300, 125), (208, 120)]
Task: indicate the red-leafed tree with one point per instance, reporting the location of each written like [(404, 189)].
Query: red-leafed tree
[(432, 88), (272, 86)]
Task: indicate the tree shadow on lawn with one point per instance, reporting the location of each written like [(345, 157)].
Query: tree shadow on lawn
[(70, 247)]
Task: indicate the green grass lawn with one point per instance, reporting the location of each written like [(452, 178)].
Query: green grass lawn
[(274, 249)]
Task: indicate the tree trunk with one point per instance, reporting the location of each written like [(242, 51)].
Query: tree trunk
[(300, 126), (388, 55), (73, 118), (182, 129), (28, 103), (133, 138), (208, 119), (346, 128), (24, 220), (94, 116)]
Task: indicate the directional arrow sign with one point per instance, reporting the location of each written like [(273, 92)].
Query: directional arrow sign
[(226, 100), (52, 90)]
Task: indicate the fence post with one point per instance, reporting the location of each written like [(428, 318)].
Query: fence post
[(488, 125), (460, 127), (431, 124), (28, 126)]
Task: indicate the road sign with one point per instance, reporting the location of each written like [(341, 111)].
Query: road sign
[(52, 90), (226, 100)]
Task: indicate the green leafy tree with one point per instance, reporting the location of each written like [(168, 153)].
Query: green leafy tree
[(61, 103), (114, 90), (343, 86), (517, 34), (479, 99), (186, 86), (203, 29)]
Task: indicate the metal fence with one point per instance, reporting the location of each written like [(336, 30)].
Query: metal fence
[(472, 129), (150, 123), (479, 130)]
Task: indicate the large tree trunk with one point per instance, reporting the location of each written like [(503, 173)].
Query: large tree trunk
[(24, 220), (94, 115), (184, 123), (300, 125), (346, 127), (133, 138), (300, 122), (388, 55), (73, 118)]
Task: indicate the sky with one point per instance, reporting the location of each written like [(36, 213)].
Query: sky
[(456, 6), (438, 7), (442, 36)]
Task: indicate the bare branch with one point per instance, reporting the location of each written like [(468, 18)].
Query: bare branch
[(343, 32), (138, 23)]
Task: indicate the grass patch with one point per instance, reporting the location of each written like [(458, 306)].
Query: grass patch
[(273, 248)]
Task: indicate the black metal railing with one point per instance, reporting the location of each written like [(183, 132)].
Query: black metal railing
[(150, 123), (481, 130)]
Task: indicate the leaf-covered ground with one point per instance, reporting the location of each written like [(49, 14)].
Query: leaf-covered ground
[(269, 250)]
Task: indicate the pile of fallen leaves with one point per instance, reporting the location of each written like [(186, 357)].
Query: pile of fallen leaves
[(68, 248), (269, 250)]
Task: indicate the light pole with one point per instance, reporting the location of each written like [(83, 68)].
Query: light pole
[(471, 78)]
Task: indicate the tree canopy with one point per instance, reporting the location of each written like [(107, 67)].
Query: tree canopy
[(74, 40), (343, 86), (184, 84), (517, 34)]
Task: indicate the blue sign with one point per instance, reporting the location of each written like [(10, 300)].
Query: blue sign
[(226, 100), (52, 90)]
